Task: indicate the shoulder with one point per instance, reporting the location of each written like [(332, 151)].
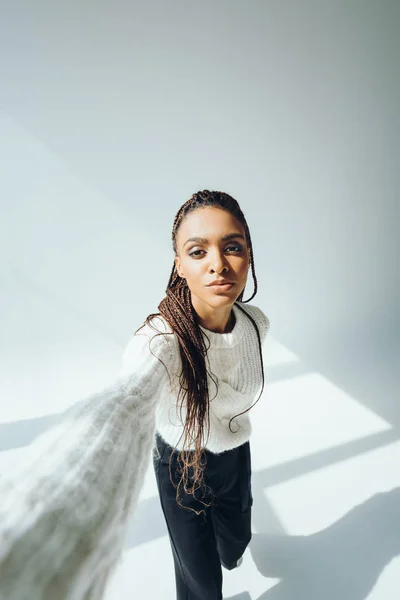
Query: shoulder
[(256, 313), (156, 327), (151, 341)]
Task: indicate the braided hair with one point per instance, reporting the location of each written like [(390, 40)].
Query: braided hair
[(178, 311)]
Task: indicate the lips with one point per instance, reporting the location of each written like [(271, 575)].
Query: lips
[(221, 288), (220, 283)]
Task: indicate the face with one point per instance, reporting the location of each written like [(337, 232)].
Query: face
[(219, 251)]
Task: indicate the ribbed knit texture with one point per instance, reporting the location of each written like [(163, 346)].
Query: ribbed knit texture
[(235, 364), (63, 514)]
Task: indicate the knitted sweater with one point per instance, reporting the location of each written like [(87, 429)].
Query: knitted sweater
[(63, 513), (235, 364)]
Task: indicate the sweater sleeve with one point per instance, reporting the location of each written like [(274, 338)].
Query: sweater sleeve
[(63, 513)]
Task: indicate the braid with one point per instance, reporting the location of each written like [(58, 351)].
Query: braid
[(178, 311)]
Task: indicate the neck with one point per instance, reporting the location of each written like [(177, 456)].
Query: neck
[(218, 322)]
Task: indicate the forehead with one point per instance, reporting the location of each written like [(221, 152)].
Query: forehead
[(208, 222)]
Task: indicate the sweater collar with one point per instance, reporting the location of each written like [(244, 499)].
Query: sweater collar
[(228, 340)]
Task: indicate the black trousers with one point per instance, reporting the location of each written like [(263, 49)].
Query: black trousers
[(219, 534)]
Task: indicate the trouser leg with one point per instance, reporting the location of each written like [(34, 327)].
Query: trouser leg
[(197, 564), (232, 513)]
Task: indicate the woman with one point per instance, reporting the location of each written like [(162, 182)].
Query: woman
[(189, 377)]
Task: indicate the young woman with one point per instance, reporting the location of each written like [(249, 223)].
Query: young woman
[(190, 375)]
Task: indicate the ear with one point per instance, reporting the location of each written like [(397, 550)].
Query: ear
[(178, 266)]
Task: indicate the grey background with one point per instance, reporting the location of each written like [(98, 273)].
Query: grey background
[(113, 113)]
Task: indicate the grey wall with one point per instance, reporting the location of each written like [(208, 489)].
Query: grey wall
[(114, 113)]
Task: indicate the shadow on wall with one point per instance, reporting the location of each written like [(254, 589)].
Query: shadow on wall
[(342, 561), (22, 433), (149, 511)]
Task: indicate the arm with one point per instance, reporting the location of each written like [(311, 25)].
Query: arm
[(63, 514)]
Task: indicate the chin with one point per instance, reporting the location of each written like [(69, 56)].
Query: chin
[(223, 301)]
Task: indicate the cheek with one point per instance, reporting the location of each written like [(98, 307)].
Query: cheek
[(244, 268), (193, 271)]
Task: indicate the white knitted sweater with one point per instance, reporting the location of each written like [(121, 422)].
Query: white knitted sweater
[(63, 514)]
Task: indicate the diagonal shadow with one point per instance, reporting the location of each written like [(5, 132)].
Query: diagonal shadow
[(310, 567), (343, 561), (149, 511), (286, 371), (322, 459), (22, 433)]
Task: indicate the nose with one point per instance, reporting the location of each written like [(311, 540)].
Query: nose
[(218, 262)]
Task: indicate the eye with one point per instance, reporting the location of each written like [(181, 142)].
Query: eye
[(194, 253), (238, 247), (230, 248)]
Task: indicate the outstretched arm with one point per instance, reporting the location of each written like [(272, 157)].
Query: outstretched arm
[(63, 514)]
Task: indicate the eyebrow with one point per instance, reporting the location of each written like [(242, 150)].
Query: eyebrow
[(205, 241)]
